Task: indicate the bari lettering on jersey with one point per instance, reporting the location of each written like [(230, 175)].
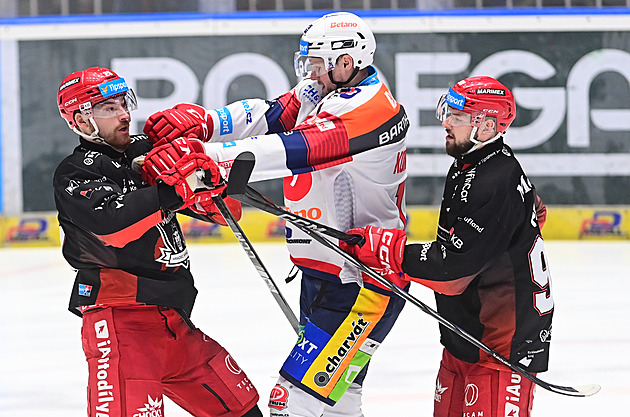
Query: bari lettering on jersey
[(391, 131)]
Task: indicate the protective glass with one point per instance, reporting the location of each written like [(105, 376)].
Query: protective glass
[(307, 66), (116, 105)]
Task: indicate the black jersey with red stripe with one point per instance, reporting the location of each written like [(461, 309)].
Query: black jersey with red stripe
[(124, 246), (488, 264)]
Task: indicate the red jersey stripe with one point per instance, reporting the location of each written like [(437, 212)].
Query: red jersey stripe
[(120, 238)]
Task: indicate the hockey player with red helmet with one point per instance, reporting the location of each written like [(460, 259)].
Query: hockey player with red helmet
[(488, 266), (133, 286)]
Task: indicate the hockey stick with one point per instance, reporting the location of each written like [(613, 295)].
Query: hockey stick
[(238, 189), (253, 256)]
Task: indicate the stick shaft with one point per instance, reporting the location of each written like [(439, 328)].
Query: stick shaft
[(258, 264)]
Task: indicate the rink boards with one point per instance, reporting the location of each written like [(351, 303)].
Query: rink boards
[(563, 223)]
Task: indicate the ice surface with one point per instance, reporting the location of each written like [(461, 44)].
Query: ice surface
[(43, 371)]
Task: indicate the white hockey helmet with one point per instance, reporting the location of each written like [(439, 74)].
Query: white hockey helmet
[(332, 36)]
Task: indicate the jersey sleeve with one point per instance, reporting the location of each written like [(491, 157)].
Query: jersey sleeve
[(348, 122), (251, 117), (97, 204)]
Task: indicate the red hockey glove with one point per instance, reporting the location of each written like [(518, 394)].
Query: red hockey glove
[(195, 177), (164, 155), (383, 248), (183, 120), (210, 209), (382, 251), (541, 212)]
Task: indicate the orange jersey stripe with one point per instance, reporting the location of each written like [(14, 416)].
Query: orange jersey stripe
[(366, 119)]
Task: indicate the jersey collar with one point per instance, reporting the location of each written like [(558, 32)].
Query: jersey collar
[(479, 156), (104, 149), (372, 77)]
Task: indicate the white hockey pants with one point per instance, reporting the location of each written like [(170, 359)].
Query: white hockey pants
[(301, 404)]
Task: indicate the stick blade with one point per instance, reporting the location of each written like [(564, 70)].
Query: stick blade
[(242, 168), (588, 390), (579, 391)]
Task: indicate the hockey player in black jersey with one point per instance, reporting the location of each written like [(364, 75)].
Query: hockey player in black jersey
[(133, 286), (487, 266)]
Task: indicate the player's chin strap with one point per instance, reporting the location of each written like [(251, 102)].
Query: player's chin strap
[(340, 84), (479, 144)]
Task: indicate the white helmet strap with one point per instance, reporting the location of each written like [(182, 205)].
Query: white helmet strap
[(479, 144), (93, 137)]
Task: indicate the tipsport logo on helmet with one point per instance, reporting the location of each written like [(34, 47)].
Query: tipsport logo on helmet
[(303, 47), (113, 87), (455, 100)]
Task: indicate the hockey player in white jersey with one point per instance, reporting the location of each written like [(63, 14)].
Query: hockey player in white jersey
[(338, 140)]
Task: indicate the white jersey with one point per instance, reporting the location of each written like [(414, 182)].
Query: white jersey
[(342, 157)]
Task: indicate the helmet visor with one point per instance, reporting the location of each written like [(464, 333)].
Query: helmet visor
[(308, 66), (116, 105), (443, 113), (451, 99)]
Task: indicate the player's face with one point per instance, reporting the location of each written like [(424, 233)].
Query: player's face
[(458, 130), (113, 119), (320, 74)]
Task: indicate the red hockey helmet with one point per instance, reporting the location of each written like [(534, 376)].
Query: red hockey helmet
[(81, 90), (481, 97)]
